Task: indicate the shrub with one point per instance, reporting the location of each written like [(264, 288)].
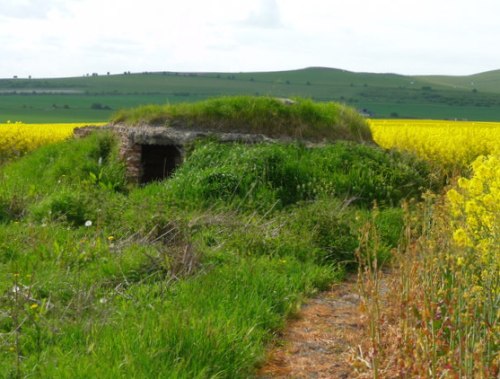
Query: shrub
[(266, 176), (52, 179)]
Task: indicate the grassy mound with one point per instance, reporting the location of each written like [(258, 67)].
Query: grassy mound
[(263, 176), (188, 277), (262, 115)]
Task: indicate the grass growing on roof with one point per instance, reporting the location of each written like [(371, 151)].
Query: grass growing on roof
[(249, 114)]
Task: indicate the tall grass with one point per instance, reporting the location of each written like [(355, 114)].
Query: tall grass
[(444, 322), (212, 325), (189, 277), (259, 177)]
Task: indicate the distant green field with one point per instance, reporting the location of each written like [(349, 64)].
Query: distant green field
[(95, 98)]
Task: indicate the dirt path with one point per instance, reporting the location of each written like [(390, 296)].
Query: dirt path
[(321, 342)]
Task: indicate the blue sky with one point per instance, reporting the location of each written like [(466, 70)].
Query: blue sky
[(54, 38)]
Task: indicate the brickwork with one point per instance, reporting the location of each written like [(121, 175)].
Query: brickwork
[(132, 140)]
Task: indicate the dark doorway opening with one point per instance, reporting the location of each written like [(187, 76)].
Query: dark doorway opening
[(159, 161)]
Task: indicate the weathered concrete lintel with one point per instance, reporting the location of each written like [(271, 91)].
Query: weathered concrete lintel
[(151, 135)]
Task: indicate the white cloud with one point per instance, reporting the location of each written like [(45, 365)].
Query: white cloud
[(29, 8), (267, 15), (72, 37)]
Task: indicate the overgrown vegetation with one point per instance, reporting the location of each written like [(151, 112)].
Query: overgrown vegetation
[(437, 313), (274, 176), (273, 117), (189, 277)]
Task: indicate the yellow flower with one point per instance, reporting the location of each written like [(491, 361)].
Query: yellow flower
[(460, 237), (454, 197), (462, 183), (18, 138), (452, 143)]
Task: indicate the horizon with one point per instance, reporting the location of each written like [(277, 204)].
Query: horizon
[(90, 74), (70, 38)]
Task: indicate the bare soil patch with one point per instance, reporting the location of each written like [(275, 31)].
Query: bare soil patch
[(323, 341)]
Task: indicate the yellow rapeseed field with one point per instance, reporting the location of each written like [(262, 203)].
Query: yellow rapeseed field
[(452, 143), (16, 139), (449, 278)]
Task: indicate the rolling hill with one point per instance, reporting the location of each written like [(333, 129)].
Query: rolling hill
[(96, 97)]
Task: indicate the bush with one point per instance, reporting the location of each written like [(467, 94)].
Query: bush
[(274, 176), (65, 179)]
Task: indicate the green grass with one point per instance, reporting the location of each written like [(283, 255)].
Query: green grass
[(409, 96), (485, 82), (264, 176), (185, 278), (69, 108), (303, 119)]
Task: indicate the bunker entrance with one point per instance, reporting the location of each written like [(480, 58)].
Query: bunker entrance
[(159, 161)]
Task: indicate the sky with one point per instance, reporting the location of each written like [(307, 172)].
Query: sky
[(60, 38)]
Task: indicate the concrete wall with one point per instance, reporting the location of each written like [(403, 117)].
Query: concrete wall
[(132, 139)]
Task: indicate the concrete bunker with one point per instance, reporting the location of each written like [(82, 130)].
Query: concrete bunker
[(158, 162), (153, 153)]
